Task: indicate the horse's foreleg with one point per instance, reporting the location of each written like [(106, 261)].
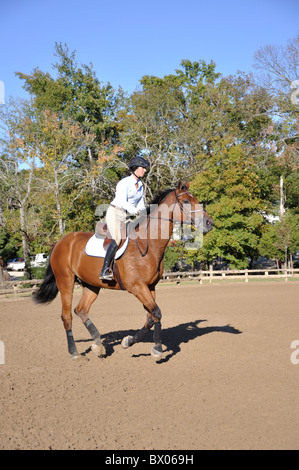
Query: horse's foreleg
[(130, 340), (147, 297), (71, 344), (82, 310), (157, 348), (156, 320)]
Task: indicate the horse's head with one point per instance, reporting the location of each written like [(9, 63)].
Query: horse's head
[(188, 210)]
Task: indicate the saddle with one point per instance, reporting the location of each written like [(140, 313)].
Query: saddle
[(102, 231)]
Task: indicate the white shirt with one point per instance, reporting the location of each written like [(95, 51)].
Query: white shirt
[(127, 197)]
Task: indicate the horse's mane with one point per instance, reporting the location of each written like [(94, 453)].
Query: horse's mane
[(157, 199), (160, 196)]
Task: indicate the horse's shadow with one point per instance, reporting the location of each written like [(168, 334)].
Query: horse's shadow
[(173, 337)]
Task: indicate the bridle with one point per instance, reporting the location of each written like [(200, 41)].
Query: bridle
[(181, 206), (182, 210)]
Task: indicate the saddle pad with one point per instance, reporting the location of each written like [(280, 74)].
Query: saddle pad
[(94, 247)]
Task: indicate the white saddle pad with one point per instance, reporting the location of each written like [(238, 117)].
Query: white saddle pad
[(94, 247)]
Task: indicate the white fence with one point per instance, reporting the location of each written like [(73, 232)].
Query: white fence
[(17, 287), (241, 275)]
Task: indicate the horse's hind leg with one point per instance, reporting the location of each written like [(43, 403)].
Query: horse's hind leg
[(89, 295), (66, 293)]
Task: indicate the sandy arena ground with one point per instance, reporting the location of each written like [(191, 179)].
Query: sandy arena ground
[(226, 381)]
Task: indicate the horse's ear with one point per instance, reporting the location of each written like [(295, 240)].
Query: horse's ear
[(183, 186)]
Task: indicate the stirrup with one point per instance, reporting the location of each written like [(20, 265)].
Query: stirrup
[(106, 274)]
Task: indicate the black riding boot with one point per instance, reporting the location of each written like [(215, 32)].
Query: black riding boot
[(106, 272)]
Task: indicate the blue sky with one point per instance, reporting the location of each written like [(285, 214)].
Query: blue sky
[(128, 39)]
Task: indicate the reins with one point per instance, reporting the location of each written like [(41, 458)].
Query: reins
[(146, 249), (149, 217)]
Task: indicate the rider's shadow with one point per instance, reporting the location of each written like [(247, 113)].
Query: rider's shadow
[(173, 337)]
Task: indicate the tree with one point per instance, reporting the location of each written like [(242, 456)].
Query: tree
[(58, 145), (77, 95), (231, 161), (279, 71), (216, 132), (159, 118), (39, 178), (230, 186), (281, 240), (279, 67), (17, 166)]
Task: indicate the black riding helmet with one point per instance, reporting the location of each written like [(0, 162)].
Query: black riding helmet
[(136, 162)]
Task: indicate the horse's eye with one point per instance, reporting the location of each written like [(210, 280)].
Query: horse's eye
[(186, 201)]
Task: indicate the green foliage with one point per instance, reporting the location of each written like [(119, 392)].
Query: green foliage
[(282, 239), (174, 253), (76, 94), (10, 244), (229, 185), (39, 272)]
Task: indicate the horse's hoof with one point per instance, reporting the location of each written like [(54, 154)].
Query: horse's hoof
[(127, 342), (75, 357), (98, 349), (157, 352)]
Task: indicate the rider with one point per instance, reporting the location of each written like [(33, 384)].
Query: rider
[(129, 198)]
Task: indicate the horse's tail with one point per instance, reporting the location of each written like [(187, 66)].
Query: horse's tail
[(48, 289)]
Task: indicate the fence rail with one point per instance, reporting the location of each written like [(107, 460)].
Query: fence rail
[(17, 287), (244, 275), (241, 275)]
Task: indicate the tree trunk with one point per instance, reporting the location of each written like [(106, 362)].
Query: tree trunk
[(25, 242)]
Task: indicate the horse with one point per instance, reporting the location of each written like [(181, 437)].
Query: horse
[(137, 271)]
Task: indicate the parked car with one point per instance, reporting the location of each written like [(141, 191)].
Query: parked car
[(17, 264), (40, 259)]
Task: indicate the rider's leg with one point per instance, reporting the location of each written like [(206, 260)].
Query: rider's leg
[(114, 219), (106, 272)]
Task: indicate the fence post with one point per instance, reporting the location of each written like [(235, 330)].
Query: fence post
[(211, 273), (246, 275)]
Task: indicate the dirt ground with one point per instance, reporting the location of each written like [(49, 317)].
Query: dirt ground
[(226, 380)]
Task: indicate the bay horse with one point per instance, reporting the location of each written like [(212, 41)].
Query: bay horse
[(139, 269)]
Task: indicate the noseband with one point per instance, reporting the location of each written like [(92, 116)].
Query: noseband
[(181, 206)]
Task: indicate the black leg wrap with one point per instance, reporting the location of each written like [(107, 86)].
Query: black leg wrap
[(139, 335), (150, 322), (157, 332), (94, 333), (71, 343), (157, 312)]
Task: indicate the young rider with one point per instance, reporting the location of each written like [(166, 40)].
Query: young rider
[(129, 198)]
